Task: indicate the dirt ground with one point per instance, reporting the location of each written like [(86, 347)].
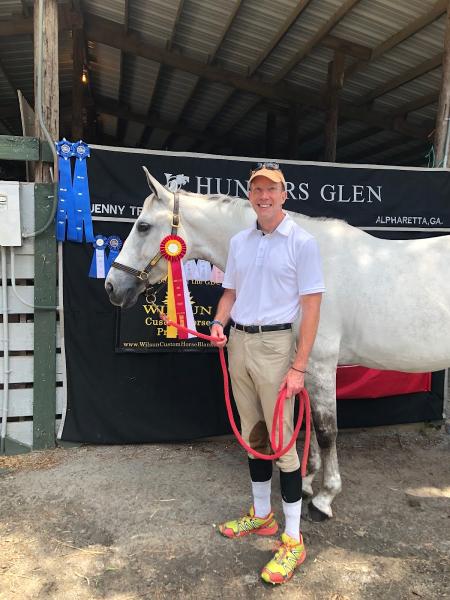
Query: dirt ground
[(139, 522)]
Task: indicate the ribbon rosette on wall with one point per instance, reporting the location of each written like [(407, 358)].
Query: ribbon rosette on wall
[(179, 308)]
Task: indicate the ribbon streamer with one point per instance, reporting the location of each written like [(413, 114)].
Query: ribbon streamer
[(114, 244), (179, 308), (83, 218), (98, 264), (65, 213)]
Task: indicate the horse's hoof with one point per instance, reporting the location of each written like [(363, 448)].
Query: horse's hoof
[(315, 514)]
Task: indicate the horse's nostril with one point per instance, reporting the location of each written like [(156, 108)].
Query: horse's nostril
[(109, 287)]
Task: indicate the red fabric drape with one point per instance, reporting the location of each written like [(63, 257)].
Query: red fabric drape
[(359, 382)]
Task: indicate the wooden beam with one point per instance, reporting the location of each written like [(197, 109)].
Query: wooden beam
[(416, 104), (109, 33), (288, 23), (112, 107), (16, 26), (375, 150), (212, 57), (401, 111), (349, 48), (438, 9), (322, 37), (405, 77), (442, 133), (323, 31), (335, 84), (147, 131)]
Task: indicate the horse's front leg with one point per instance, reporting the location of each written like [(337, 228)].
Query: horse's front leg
[(322, 390)]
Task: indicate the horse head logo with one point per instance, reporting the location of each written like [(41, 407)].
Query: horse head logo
[(175, 182)]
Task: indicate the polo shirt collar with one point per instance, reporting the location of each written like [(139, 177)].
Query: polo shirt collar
[(284, 227)]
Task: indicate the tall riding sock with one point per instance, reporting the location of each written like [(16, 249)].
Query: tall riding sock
[(261, 497), (292, 514), (291, 493)]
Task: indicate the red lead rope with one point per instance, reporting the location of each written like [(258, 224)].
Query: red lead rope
[(277, 422)]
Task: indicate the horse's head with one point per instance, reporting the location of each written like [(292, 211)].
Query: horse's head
[(142, 244)]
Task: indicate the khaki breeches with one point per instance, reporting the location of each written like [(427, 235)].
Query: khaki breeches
[(258, 363)]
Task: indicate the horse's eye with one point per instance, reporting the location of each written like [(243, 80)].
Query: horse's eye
[(143, 227)]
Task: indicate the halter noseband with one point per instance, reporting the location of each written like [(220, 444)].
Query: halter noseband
[(143, 275)]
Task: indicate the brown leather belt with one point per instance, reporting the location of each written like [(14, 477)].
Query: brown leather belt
[(260, 328)]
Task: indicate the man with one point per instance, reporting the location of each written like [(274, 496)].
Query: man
[(273, 275)]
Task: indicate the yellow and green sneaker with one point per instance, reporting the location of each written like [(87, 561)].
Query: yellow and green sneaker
[(249, 524), (290, 555)]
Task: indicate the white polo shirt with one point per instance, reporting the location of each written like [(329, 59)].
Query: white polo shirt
[(270, 272)]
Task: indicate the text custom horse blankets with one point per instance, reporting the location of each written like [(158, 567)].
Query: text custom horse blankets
[(386, 303)]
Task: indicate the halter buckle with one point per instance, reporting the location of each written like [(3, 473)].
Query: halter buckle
[(175, 221), (143, 276)]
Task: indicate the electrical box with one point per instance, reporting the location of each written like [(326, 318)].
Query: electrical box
[(10, 231)]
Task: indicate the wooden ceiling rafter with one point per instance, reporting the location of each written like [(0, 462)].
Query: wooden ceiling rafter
[(375, 150), (317, 39), (400, 36), (145, 136), (290, 20), (402, 79), (210, 61)]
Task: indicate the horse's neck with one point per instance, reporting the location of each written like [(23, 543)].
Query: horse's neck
[(210, 224)]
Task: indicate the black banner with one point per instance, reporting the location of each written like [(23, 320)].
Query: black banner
[(132, 396), (363, 196)]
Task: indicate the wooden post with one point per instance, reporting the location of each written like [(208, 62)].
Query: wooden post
[(50, 79), (44, 393), (335, 84), (443, 111), (45, 259), (271, 125), (77, 84), (293, 131)]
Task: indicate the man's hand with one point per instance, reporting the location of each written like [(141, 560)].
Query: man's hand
[(294, 382), (217, 332)]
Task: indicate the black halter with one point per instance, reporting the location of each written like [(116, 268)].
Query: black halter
[(144, 274)]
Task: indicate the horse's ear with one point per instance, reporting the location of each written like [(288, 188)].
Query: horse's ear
[(160, 191)]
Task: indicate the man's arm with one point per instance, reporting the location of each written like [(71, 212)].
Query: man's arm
[(223, 315), (308, 328), (295, 379)]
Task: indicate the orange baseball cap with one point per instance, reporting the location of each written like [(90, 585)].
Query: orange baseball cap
[(270, 170)]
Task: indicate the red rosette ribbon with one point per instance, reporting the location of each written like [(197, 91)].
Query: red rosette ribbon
[(173, 248)]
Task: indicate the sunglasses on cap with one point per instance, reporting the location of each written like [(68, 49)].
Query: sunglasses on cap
[(265, 165)]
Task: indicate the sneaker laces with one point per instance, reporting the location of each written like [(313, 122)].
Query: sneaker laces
[(282, 549)]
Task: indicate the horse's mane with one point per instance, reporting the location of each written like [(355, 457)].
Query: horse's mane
[(242, 203)]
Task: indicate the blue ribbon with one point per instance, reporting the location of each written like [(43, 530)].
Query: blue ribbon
[(66, 207), (98, 264), (114, 244), (81, 196)]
